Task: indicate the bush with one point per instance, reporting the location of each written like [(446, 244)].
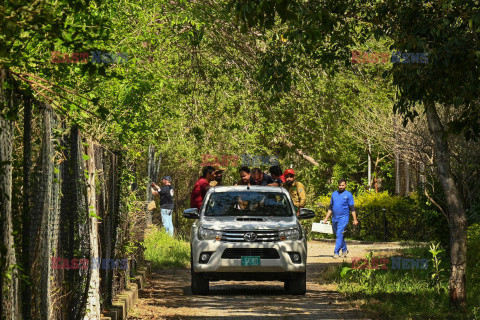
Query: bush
[(407, 218), (165, 251), (473, 269)]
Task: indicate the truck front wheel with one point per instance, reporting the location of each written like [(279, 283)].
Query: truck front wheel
[(298, 285), (200, 285)]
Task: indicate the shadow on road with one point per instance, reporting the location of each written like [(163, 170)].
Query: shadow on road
[(169, 297)]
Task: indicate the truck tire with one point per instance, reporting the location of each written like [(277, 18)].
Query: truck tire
[(199, 284), (298, 285)]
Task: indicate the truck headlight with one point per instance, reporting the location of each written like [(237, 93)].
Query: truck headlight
[(290, 234), (209, 234)]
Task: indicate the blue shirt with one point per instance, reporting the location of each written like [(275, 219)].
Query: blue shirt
[(340, 204)]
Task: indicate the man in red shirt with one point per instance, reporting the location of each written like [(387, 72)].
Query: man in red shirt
[(201, 186)]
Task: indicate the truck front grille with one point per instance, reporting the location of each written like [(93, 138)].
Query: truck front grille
[(238, 253), (239, 236)]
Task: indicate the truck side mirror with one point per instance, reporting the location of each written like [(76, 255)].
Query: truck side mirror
[(191, 213), (306, 213)]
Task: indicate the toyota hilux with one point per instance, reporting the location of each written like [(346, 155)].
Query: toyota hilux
[(248, 233)]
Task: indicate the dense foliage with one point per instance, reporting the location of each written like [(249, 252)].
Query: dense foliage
[(262, 77)]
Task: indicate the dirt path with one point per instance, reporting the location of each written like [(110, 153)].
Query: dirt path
[(168, 294)]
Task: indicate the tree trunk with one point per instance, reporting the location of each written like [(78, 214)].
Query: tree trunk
[(456, 213), (93, 303), (151, 178), (157, 166), (114, 208), (397, 160), (9, 286), (42, 239), (74, 226), (101, 207), (54, 278), (108, 210), (407, 176), (27, 164), (40, 259), (397, 174)]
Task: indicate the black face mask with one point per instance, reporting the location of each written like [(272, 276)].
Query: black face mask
[(218, 179)]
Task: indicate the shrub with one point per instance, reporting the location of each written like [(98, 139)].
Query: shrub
[(473, 269), (165, 251), (407, 218)]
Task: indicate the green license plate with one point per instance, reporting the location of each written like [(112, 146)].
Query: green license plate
[(250, 261)]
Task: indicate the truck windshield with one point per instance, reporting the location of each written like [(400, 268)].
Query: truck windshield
[(248, 203)]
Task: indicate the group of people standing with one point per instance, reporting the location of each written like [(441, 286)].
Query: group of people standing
[(341, 202)]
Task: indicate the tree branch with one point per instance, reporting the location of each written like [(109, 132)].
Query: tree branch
[(307, 157), (55, 93), (437, 205)]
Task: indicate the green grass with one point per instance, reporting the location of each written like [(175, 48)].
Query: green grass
[(398, 294), (409, 294), (164, 251)]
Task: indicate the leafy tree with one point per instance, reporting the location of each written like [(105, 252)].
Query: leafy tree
[(29, 32), (446, 30)]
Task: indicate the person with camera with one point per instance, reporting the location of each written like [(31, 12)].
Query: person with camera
[(165, 193)]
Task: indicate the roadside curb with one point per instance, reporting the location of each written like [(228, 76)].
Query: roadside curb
[(403, 244), (127, 298)]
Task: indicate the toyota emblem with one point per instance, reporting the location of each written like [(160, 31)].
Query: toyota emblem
[(250, 236)]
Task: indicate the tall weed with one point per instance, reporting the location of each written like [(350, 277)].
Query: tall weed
[(399, 293), (165, 251)]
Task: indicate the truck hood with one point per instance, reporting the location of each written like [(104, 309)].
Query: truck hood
[(246, 223)]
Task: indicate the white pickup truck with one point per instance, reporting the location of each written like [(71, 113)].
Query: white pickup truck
[(248, 233)]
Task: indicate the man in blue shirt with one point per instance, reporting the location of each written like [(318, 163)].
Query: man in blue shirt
[(341, 205)]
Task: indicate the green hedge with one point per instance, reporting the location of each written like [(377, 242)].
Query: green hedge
[(407, 218)]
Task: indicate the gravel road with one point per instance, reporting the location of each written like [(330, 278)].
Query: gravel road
[(168, 295)]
